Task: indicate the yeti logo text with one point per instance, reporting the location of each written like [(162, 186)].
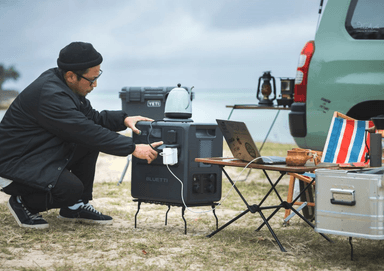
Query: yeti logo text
[(152, 103), (156, 180)]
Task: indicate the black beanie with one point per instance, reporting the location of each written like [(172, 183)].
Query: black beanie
[(78, 56)]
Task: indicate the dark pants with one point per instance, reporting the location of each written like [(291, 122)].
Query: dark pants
[(75, 183)]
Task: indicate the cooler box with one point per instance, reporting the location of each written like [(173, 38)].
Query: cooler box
[(350, 203), (145, 101)]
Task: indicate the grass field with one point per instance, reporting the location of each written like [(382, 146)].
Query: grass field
[(155, 246)]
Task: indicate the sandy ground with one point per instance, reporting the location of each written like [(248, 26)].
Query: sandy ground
[(3, 197), (109, 169)]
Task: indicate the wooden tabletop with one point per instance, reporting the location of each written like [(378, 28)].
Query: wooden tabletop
[(234, 162), (255, 106)]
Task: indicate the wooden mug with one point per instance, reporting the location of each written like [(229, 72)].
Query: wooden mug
[(298, 157)]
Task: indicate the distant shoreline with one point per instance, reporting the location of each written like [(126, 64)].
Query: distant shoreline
[(7, 97)]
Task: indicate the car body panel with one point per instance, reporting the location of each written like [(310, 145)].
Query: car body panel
[(343, 73)]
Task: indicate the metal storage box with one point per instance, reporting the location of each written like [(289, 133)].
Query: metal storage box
[(350, 203)]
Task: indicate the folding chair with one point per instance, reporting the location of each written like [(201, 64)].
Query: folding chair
[(347, 142), (309, 211)]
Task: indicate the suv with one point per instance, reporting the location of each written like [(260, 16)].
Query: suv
[(341, 70)]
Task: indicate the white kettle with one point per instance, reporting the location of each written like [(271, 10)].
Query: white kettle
[(178, 104)]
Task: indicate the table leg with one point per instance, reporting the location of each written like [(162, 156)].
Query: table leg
[(287, 205), (269, 217), (303, 191), (309, 223), (228, 223), (254, 208), (273, 187), (234, 186), (272, 232)]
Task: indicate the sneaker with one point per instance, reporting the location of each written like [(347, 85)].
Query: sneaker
[(23, 216), (85, 213)]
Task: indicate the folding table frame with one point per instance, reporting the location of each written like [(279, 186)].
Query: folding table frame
[(258, 208)]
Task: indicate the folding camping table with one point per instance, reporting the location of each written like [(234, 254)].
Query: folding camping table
[(258, 208)]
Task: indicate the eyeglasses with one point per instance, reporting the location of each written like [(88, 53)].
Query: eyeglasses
[(89, 80)]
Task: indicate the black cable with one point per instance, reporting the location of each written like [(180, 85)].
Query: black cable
[(150, 131)]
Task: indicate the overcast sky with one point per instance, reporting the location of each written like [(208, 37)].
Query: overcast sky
[(205, 43)]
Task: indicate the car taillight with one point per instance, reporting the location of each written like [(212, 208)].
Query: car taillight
[(302, 72)]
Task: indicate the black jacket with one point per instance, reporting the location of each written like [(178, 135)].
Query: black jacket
[(43, 126)]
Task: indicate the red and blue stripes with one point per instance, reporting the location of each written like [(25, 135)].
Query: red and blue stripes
[(346, 141)]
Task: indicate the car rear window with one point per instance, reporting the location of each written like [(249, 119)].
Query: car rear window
[(365, 19)]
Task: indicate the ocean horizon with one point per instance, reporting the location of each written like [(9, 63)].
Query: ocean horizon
[(210, 104)]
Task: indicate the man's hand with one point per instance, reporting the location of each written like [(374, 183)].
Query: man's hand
[(144, 151), (130, 122)]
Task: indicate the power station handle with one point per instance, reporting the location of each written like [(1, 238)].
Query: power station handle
[(343, 197)]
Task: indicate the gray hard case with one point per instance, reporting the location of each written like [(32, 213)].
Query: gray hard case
[(350, 202)]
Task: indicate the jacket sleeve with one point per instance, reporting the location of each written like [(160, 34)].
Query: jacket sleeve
[(59, 114), (112, 120)]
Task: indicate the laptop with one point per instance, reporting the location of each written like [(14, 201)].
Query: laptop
[(241, 144)]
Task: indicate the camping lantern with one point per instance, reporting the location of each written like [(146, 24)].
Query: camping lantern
[(266, 89)]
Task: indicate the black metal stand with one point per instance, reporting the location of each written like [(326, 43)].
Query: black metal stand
[(259, 209), (169, 204)]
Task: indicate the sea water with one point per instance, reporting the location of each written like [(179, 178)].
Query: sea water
[(210, 104)]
